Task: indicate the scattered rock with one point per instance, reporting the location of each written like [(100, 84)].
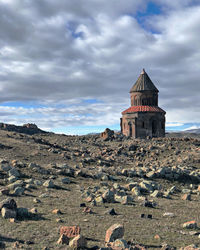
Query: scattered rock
[(49, 184), (167, 214), (186, 197), (108, 134), (70, 232), (56, 211), (8, 203), (4, 191), (87, 210), (63, 240), (115, 232), (66, 181), (190, 225), (78, 242), (8, 213), (119, 244), (111, 211)]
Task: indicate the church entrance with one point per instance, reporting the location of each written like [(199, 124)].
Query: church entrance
[(154, 127)]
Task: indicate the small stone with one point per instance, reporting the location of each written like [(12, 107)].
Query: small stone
[(66, 181), (18, 191), (49, 184), (8, 203), (12, 179), (93, 203), (37, 182), (99, 200), (89, 199), (14, 172), (18, 183), (186, 197), (167, 247), (190, 225), (16, 244), (70, 232), (120, 243), (147, 203), (111, 211), (12, 220), (44, 195), (190, 247), (63, 240), (33, 210), (156, 194), (115, 232), (58, 220), (108, 196), (167, 214), (35, 200), (157, 237), (136, 191), (56, 211), (4, 191), (8, 213), (87, 210), (5, 166), (186, 191), (78, 242)]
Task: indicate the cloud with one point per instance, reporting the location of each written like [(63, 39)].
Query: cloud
[(192, 127), (174, 124), (61, 52)]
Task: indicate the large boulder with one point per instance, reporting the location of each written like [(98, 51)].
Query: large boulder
[(8, 213), (107, 135), (79, 242), (8, 203), (114, 232)]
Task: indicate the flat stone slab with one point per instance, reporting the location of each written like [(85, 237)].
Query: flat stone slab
[(70, 232)]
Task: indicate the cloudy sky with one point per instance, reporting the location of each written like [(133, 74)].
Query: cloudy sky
[(68, 65)]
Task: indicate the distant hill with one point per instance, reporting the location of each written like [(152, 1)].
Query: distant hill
[(28, 128), (192, 131)]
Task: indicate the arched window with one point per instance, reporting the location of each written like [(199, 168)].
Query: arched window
[(154, 127), (143, 124)]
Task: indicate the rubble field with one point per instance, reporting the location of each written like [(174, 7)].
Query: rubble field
[(99, 192)]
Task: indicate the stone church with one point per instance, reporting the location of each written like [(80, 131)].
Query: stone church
[(144, 118)]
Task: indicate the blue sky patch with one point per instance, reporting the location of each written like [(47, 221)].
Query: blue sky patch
[(150, 10), (71, 26), (23, 104)]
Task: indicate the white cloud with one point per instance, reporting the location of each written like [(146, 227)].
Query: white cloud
[(174, 124), (192, 127)]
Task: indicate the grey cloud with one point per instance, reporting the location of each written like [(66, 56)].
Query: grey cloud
[(44, 59)]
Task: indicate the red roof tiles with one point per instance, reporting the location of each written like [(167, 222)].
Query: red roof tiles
[(133, 109)]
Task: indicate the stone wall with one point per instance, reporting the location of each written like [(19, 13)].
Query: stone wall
[(143, 124)]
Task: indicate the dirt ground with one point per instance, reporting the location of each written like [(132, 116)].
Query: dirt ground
[(91, 154)]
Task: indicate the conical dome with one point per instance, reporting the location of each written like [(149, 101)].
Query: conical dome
[(143, 83)]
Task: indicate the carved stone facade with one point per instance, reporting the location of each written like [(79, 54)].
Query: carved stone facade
[(144, 118)]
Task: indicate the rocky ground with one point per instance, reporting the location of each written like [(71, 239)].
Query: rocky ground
[(149, 188)]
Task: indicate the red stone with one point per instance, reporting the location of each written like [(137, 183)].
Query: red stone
[(70, 232)]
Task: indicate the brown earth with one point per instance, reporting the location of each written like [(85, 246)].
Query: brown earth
[(94, 166)]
